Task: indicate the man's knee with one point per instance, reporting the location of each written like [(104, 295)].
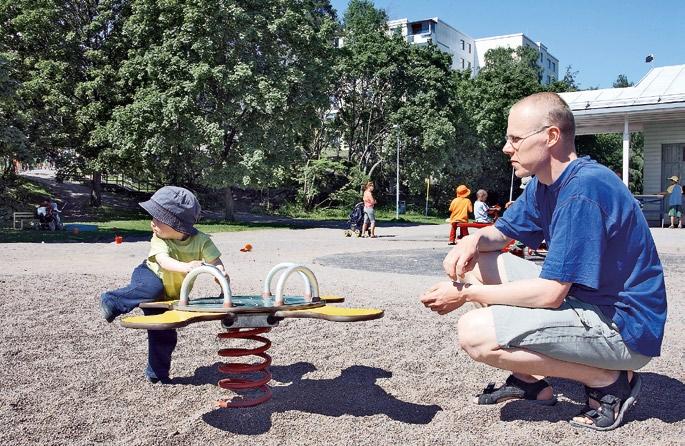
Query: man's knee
[(476, 333)]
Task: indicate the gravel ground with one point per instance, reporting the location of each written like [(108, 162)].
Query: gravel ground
[(68, 377)]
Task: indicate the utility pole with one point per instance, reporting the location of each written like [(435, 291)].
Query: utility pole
[(397, 182)]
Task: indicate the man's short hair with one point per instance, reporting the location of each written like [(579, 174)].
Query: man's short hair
[(481, 192), (558, 114)]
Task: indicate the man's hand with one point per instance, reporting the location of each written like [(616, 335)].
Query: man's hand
[(462, 258), (444, 297)]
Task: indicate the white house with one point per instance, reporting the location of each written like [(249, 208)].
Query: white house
[(655, 106)]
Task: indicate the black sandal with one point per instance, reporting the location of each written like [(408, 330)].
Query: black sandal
[(515, 388), (621, 394)]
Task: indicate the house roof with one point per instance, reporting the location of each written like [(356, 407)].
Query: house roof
[(659, 96)]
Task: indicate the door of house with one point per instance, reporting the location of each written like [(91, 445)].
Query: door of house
[(672, 162)]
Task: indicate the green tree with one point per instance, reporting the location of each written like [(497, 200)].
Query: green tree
[(12, 139), (622, 82), (508, 76), (369, 85), (61, 49), (568, 83), (223, 92)]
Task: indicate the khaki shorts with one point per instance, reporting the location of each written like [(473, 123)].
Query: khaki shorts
[(575, 332), (369, 215)]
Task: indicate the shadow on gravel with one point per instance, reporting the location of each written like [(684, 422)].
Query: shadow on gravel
[(354, 392), (660, 398)]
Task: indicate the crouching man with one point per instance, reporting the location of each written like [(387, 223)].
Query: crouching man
[(595, 311)]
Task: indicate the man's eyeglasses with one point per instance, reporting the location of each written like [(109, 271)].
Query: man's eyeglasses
[(516, 141)]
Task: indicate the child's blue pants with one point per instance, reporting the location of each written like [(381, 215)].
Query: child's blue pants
[(145, 286)]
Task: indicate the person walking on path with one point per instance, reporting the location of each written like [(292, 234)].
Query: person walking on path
[(369, 212), (596, 309)]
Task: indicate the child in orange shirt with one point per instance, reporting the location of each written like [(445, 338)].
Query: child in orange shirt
[(459, 212)]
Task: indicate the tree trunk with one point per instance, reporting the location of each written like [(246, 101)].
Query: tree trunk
[(96, 189), (228, 204)]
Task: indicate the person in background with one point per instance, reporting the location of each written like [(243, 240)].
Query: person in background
[(675, 202), (481, 211), (460, 207), (369, 212)]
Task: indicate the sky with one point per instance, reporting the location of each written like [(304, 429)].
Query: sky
[(599, 39)]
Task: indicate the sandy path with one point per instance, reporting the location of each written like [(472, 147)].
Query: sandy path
[(67, 377)]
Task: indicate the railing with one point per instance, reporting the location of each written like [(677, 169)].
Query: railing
[(652, 207), (132, 184)]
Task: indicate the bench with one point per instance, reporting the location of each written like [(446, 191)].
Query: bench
[(21, 217), (473, 225)]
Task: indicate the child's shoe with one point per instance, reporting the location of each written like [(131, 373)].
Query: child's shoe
[(155, 380), (680, 225), (107, 311)]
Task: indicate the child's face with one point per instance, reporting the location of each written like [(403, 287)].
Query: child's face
[(164, 231)]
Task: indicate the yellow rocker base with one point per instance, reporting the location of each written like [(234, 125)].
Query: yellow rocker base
[(176, 319)]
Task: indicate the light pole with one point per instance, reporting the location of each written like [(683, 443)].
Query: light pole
[(397, 182)]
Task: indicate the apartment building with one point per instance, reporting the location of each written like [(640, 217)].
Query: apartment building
[(549, 64), (469, 53), (460, 46)]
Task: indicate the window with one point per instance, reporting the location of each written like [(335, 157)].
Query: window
[(541, 56), (462, 64), (469, 65), (549, 63), (469, 48), (416, 28), (462, 44)]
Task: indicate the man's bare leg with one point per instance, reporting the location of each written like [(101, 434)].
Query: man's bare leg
[(476, 332)]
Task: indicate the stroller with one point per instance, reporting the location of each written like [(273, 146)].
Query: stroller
[(356, 221), (48, 217)]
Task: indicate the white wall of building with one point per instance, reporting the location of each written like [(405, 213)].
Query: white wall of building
[(656, 134), (548, 63), (460, 46)]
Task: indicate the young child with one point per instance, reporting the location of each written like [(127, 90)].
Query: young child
[(675, 202), (459, 212), (481, 210), (175, 249)]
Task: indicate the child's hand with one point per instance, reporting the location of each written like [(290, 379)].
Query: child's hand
[(224, 272), (192, 265)]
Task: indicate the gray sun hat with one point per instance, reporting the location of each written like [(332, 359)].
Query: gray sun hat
[(176, 207)]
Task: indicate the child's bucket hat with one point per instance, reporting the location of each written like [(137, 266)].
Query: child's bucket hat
[(176, 207), (463, 191)]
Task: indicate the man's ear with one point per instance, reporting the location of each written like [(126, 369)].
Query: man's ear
[(553, 135)]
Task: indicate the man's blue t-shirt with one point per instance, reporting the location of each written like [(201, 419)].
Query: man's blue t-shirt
[(599, 240)]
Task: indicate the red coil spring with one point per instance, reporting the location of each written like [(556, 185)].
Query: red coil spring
[(237, 368)]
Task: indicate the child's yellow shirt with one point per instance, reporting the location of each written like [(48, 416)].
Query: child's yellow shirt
[(195, 247)]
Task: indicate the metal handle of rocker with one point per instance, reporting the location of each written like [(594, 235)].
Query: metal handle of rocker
[(266, 292), (311, 284), (189, 280)]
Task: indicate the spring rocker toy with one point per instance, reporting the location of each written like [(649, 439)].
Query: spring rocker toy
[(248, 318)]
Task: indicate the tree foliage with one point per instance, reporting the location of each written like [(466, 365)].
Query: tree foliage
[(221, 92)]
